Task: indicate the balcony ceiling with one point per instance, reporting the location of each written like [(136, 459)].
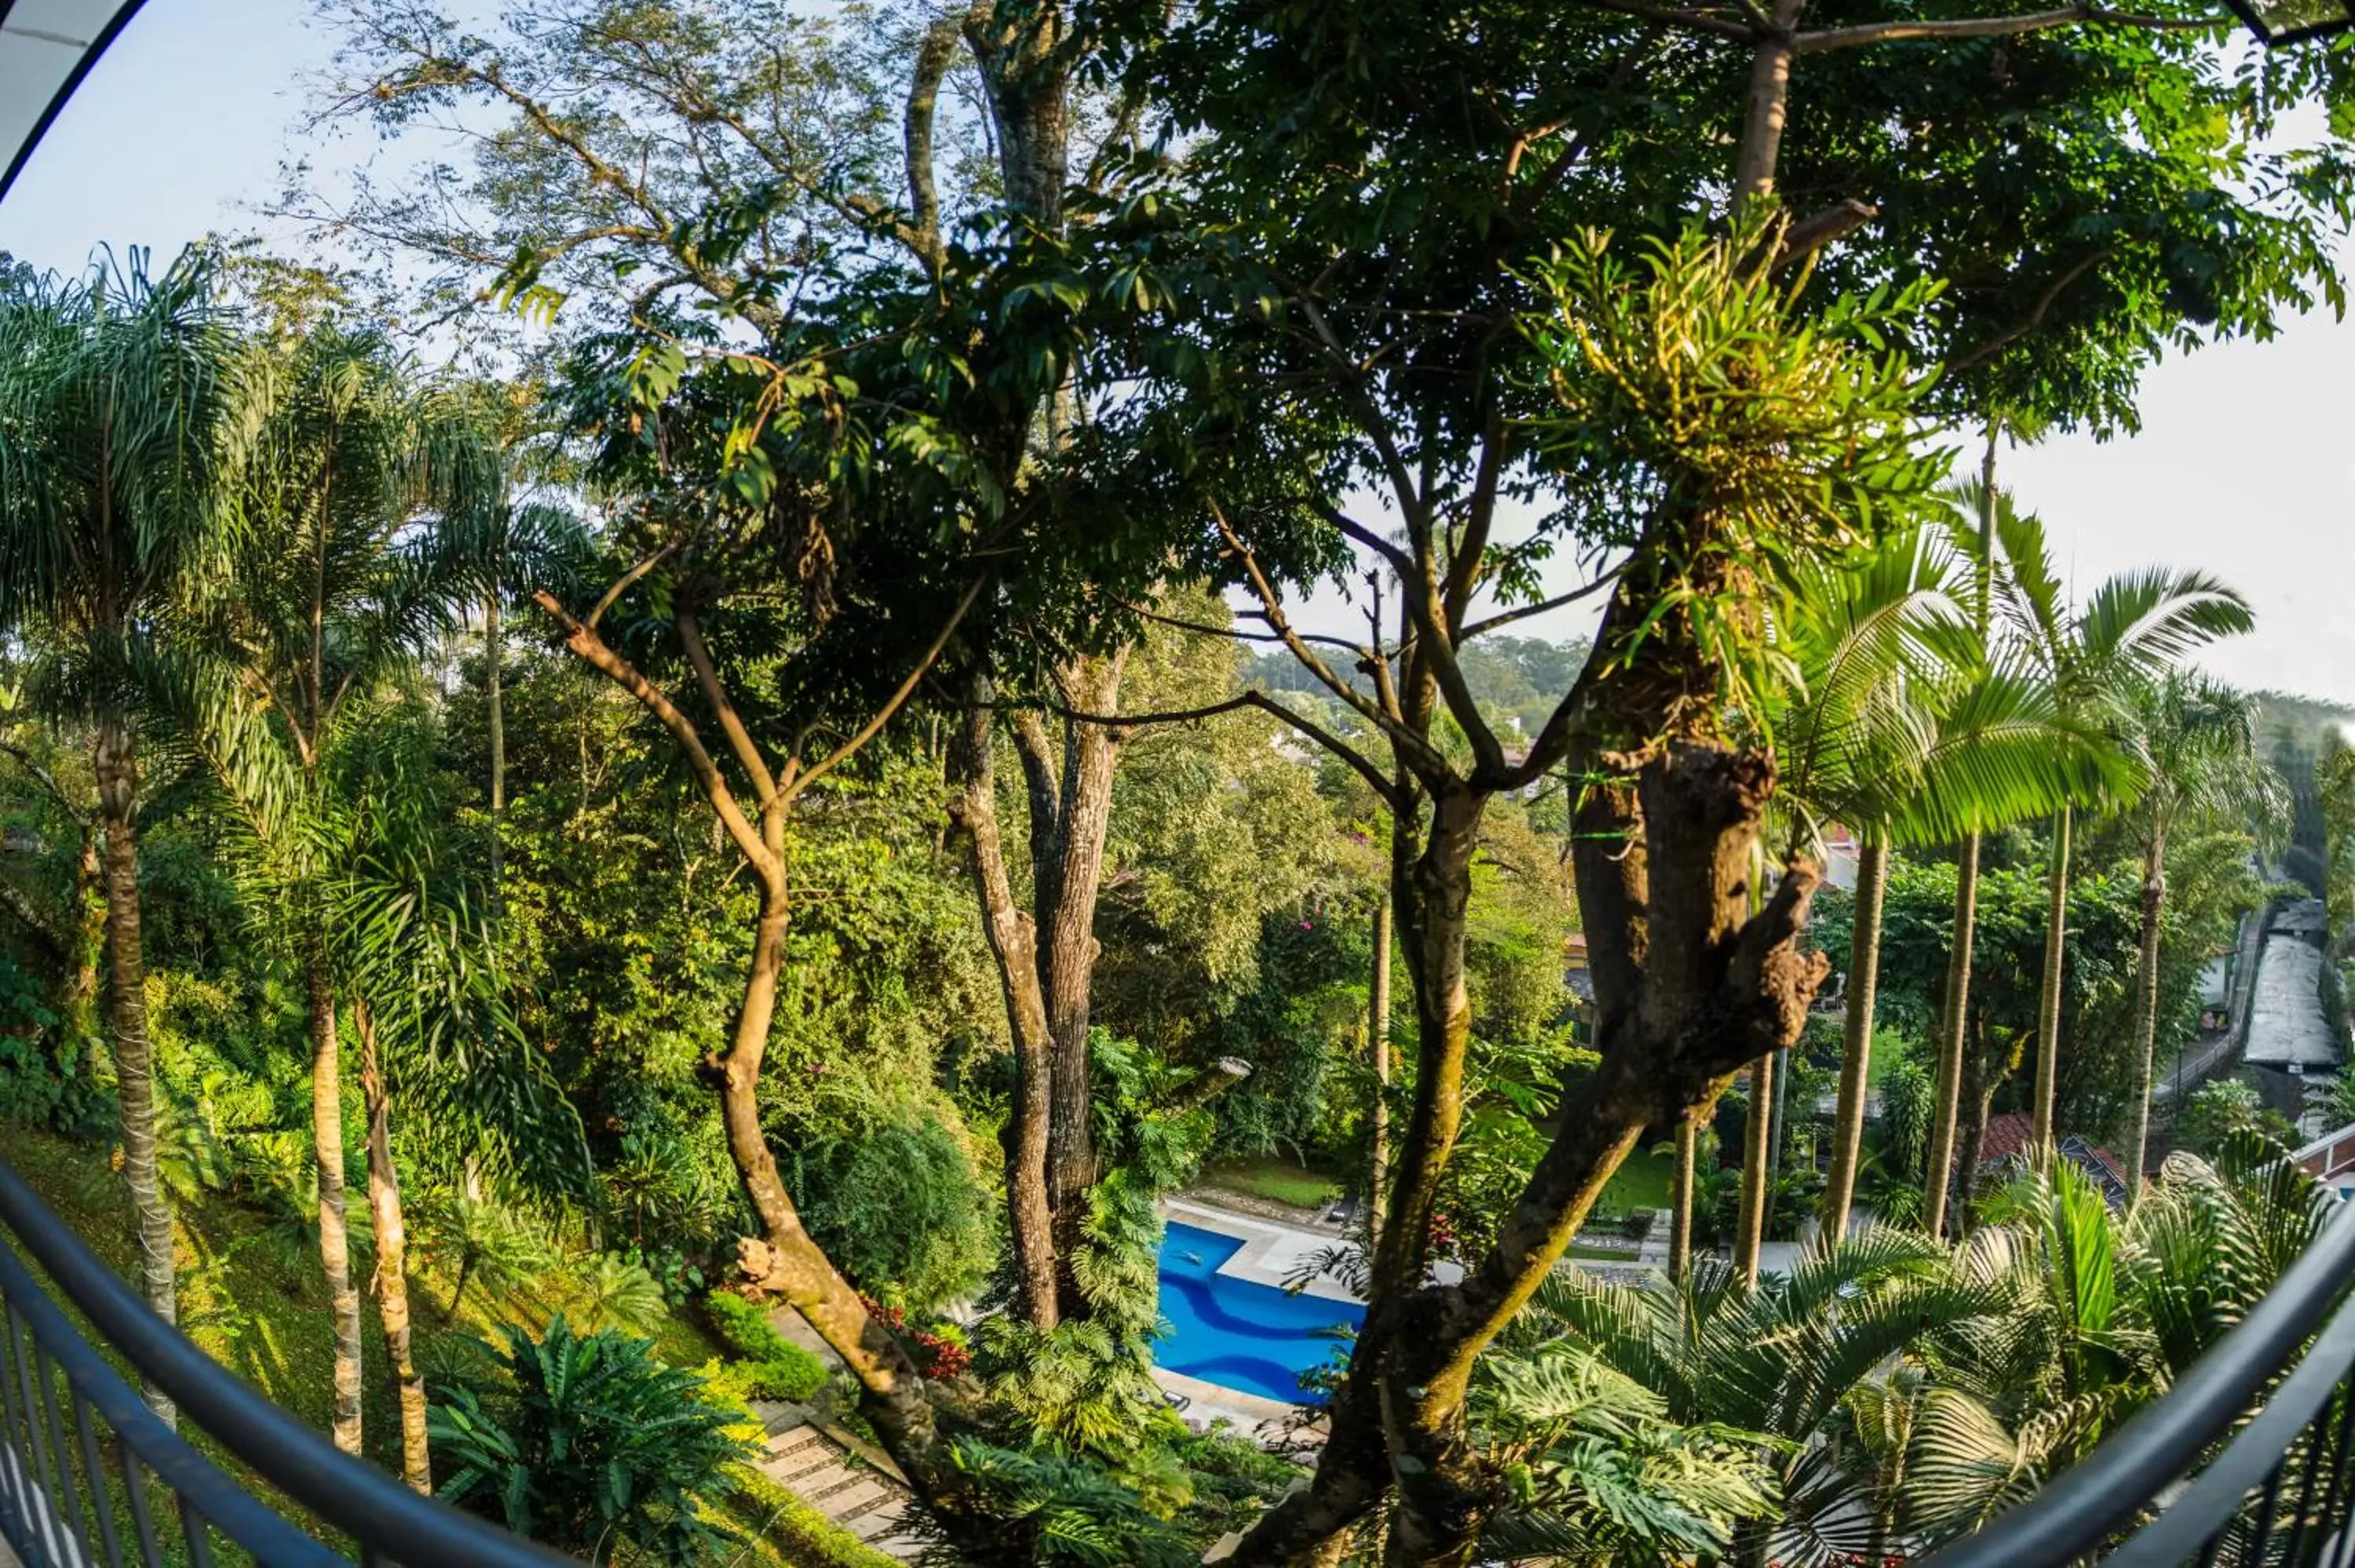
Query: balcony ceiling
[(47, 47)]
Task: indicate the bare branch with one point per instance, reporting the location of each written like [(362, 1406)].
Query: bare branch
[(1406, 740), (623, 584), (1996, 27), (2030, 322), (1694, 21), (1523, 612), (794, 786), (932, 59), (582, 639), (1383, 788), (732, 723), (46, 781), (1812, 233)]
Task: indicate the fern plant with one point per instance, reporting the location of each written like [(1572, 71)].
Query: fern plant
[(586, 1442)]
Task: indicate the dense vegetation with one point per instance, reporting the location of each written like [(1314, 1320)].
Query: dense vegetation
[(784, 772)]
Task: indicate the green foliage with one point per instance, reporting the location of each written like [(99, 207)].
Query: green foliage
[(588, 1443), (1067, 1515), (770, 1366), (2217, 1114), (899, 1210)]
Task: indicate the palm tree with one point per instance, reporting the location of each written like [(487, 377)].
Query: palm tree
[(112, 390), (410, 943), (1779, 1360), (2135, 627), (1895, 726), (2198, 744), (328, 601)]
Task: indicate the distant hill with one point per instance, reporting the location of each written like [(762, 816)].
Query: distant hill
[(1515, 680)]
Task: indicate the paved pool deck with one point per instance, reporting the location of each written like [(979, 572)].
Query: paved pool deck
[(1272, 1254)]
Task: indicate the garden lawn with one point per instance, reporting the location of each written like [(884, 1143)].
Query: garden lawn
[(1274, 1179), (1643, 1183)]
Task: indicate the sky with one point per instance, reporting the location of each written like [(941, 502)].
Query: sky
[(2244, 467)]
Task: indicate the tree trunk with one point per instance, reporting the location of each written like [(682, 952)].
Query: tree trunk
[(116, 764), (334, 1241), (1377, 1030), (1680, 1203), (785, 1261), (1434, 919), (1014, 943), (1069, 961), (90, 930), (1855, 1053), (1762, 117), (390, 1283), (2047, 1007), (1690, 985), (493, 705), (1758, 1132), (1950, 1040), (2146, 1021)]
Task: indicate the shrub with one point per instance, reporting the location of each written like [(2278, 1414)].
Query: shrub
[(587, 1441), (901, 1209), (770, 1365)]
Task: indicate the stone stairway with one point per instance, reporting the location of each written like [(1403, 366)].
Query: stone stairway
[(842, 1485)]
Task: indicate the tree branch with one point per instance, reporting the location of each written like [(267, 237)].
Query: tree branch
[(1994, 27), (2030, 322), (1383, 788), (582, 639), (1695, 21), (1507, 618), (46, 781), (732, 723), (794, 786), (933, 59)]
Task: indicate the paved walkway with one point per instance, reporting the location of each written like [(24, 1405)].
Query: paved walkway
[(843, 1485)]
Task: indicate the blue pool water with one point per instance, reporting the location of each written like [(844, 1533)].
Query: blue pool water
[(1236, 1333)]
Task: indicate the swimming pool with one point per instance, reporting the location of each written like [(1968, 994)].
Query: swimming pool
[(1236, 1333)]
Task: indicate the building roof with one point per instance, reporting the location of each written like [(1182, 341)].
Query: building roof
[(47, 47), (2010, 1134), (2286, 1023)]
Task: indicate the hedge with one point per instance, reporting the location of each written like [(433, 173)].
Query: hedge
[(772, 1366)]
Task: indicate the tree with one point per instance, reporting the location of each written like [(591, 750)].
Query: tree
[(2198, 742), (327, 601), (113, 395), (1895, 726), (2132, 629)]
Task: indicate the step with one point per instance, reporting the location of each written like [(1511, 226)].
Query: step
[(800, 1440), (878, 1513), (801, 1470), (838, 1482), (846, 1503)]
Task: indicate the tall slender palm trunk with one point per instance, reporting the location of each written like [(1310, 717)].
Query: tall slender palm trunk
[(1951, 1029), (1377, 1030), (1681, 1201), (493, 706), (334, 1239), (1749, 1229), (2146, 1021), (116, 763), (1856, 1053), (2048, 1006), (389, 1284)]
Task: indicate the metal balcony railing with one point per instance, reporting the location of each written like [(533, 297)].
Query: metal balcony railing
[(2244, 1462), (91, 1476)]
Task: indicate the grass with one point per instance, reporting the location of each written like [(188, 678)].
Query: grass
[(1643, 1183), (1272, 1178), (1602, 1253), (252, 1296)]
